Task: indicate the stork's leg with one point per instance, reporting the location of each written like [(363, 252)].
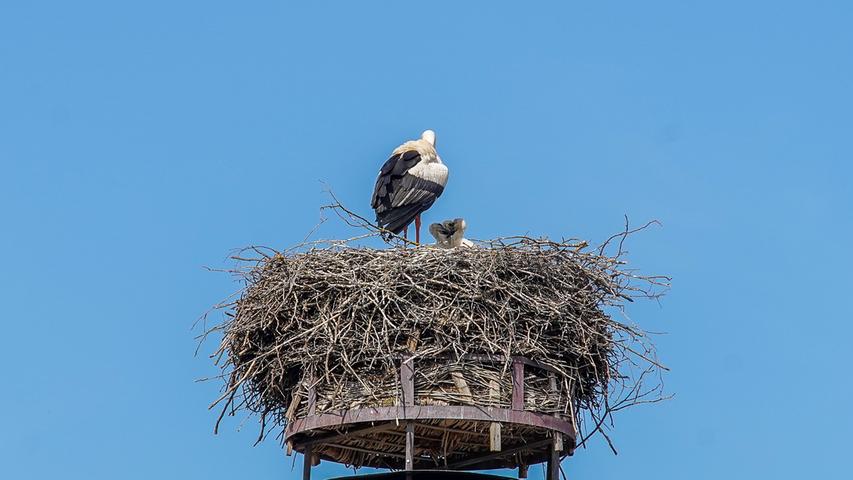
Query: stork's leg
[(418, 229)]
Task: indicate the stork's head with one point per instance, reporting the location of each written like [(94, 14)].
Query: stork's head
[(460, 224), (429, 136)]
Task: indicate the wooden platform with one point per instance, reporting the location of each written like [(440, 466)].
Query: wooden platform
[(411, 437)]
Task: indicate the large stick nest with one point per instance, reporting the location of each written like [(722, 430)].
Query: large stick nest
[(345, 316)]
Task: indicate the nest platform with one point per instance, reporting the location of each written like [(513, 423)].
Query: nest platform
[(423, 358)]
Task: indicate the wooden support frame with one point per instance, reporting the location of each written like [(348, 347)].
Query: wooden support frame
[(317, 430)]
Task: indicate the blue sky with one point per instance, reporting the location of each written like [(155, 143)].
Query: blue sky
[(141, 141)]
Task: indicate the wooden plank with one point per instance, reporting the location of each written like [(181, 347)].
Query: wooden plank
[(462, 386), (410, 446), (495, 437), (505, 453), (452, 430), (412, 342), (522, 471), (354, 431), (535, 364), (367, 450), (558, 441), (500, 359), (294, 404), (464, 432), (407, 381), (517, 384), (338, 418)]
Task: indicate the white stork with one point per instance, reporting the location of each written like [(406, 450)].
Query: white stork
[(450, 233), (408, 184)]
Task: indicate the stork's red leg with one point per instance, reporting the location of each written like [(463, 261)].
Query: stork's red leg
[(418, 229)]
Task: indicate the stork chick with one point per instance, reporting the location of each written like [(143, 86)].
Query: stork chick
[(450, 233)]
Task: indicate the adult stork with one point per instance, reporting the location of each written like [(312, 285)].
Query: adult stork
[(408, 184)]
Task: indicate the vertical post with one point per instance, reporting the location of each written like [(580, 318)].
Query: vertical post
[(407, 385), (494, 427), (307, 460), (555, 392), (312, 395), (495, 437), (308, 454), (571, 398), (553, 465), (410, 446), (407, 381), (517, 384), (522, 471)]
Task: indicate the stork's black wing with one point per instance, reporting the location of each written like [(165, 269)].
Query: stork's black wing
[(399, 196), (393, 169)]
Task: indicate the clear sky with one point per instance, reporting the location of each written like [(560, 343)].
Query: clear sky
[(142, 141)]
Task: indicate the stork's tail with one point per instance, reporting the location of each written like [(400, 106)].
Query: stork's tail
[(396, 219)]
